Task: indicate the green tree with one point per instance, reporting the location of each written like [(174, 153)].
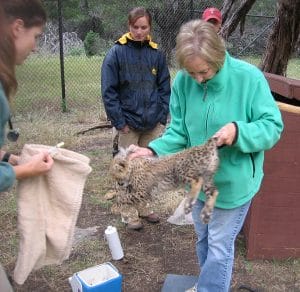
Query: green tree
[(91, 43)]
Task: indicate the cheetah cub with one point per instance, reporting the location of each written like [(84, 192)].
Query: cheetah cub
[(138, 178)]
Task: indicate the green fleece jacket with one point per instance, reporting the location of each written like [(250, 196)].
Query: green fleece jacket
[(7, 174), (238, 93)]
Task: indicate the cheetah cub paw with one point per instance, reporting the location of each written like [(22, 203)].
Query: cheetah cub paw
[(188, 205), (205, 214)]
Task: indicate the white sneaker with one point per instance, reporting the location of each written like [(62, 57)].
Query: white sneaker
[(192, 289)]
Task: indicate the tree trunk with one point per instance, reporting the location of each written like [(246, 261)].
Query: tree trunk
[(226, 7), (282, 41), (237, 16)]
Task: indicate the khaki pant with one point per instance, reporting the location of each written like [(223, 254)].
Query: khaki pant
[(4, 283), (136, 137)]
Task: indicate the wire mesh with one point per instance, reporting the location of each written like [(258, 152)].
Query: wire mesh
[(90, 27)]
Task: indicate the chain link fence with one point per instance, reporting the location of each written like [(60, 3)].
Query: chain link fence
[(64, 74)]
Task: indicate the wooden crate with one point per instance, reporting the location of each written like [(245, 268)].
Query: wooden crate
[(272, 226)]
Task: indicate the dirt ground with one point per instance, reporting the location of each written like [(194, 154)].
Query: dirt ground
[(150, 254)]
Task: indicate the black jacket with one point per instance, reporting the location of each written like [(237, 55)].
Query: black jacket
[(135, 84)]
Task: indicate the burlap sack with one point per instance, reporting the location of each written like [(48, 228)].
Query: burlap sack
[(48, 208)]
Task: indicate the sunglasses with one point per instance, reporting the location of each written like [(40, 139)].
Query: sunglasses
[(13, 134)]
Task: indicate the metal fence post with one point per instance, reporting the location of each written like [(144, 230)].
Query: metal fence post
[(61, 55)]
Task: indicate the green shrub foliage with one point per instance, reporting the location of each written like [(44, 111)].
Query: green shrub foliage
[(92, 44)]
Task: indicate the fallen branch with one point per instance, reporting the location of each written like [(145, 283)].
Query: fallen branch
[(100, 126)]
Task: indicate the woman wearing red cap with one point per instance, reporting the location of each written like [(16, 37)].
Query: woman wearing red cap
[(214, 16)]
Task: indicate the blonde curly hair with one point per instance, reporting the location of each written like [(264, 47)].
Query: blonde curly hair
[(197, 38)]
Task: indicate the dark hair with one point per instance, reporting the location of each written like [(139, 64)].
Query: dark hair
[(136, 13), (32, 13), (7, 58)]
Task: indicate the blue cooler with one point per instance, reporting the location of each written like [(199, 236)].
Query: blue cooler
[(101, 278)]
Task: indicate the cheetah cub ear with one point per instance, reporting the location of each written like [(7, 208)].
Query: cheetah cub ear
[(119, 166), (130, 149), (121, 153)]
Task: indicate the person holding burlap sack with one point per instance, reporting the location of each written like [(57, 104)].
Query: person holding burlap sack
[(21, 22), (49, 194)]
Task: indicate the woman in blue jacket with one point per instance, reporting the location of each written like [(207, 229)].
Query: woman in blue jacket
[(21, 22), (217, 95), (135, 86), (135, 83)]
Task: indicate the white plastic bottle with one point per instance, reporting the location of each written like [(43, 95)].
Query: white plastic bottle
[(112, 237)]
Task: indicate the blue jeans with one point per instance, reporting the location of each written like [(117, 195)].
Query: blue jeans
[(215, 246)]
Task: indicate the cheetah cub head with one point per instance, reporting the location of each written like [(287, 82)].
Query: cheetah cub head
[(120, 169)]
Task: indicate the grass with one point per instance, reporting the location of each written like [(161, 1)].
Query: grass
[(40, 83)]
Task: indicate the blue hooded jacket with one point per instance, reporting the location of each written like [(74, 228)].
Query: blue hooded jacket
[(135, 84)]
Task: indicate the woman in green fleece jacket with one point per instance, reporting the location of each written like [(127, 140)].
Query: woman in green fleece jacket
[(21, 22), (217, 95)]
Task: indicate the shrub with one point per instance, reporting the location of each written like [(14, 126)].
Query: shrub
[(92, 43)]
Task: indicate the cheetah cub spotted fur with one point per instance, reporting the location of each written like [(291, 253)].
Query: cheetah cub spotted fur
[(138, 178)]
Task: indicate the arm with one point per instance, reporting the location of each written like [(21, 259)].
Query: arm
[(175, 137), (265, 127), (38, 165), (7, 176), (110, 89)]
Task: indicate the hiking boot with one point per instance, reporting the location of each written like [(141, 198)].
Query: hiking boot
[(135, 225), (151, 218)]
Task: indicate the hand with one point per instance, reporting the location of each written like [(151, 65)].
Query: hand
[(39, 164), (226, 135), (125, 130), (14, 159), (139, 151)]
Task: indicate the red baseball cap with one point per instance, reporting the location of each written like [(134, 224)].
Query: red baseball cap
[(212, 13)]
